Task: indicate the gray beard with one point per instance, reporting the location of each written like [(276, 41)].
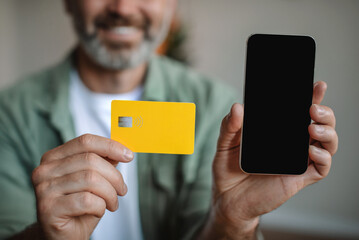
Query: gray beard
[(122, 59)]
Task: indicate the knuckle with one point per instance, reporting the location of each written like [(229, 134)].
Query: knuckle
[(85, 140), (86, 200), (331, 115), (336, 139), (332, 134), (46, 157), (102, 207), (90, 158), (38, 173), (329, 158)]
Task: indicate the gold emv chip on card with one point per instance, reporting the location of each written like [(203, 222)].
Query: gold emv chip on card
[(154, 127)]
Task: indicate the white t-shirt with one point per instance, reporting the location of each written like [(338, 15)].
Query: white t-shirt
[(91, 113)]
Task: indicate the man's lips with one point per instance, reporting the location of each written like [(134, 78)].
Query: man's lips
[(123, 30), (122, 33)]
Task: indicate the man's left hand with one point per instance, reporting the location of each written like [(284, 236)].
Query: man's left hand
[(240, 198)]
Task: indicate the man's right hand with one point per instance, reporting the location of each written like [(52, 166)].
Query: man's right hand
[(75, 183)]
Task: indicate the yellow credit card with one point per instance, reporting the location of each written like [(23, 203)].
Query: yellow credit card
[(154, 127)]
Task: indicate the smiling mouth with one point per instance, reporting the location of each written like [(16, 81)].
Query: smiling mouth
[(121, 35), (123, 30)]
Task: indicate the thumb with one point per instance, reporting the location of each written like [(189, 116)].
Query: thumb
[(230, 135)]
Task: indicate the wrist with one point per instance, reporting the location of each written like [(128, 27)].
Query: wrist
[(234, 228), (219, 226)]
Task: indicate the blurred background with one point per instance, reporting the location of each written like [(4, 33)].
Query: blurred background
[(211, 36)]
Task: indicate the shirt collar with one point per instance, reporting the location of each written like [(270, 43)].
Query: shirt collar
[(57, 108), (57, 105), (154, 85)]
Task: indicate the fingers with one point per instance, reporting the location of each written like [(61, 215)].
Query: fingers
[(319, 90), (326, 135), (230, 129), (320, 166), (321, 158), (104, 147), (323, 129), (81, 162), (322, 115), (72, 216), (84, 181), (77, 181), (79, 204)]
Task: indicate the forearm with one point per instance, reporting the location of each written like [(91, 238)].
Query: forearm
[(219, 228), (32, 232)]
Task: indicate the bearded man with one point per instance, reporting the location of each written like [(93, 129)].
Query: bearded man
[(61, 177)]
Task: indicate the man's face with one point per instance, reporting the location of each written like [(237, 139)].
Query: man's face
[(120, 34)]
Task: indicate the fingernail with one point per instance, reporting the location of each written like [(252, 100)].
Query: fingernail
[(128, 154), (320, 110), (319, 129)]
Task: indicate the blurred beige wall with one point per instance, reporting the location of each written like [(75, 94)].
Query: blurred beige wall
[(7, 42), (33, 34), (37, 33)]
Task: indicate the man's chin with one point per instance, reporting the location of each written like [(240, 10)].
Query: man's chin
[(122, 51)]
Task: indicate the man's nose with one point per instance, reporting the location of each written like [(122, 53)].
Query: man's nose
[(123, 7)]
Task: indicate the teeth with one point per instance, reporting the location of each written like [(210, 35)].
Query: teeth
[(123, 30)]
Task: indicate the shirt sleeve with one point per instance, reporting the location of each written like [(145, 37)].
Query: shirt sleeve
[(17, 200)]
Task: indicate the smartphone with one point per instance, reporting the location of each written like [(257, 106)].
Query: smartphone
[(278, 93)]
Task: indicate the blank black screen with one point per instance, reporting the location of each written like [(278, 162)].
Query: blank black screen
[(277, 98)]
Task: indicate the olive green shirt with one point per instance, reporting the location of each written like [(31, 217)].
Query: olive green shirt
[(174, 190)]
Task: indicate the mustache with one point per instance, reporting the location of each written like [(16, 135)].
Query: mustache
[(109, 20)]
